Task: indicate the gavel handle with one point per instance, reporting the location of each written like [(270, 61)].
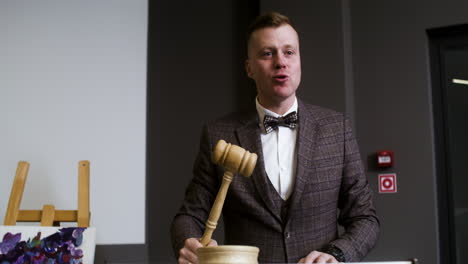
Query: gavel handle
[(216, 209)]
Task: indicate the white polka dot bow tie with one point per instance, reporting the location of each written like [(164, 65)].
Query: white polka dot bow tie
[(271, 123)]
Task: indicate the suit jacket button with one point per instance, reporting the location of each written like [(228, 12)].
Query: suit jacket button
[(287, 235)]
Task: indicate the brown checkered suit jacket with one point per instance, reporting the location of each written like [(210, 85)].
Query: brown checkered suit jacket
[(330, 189)]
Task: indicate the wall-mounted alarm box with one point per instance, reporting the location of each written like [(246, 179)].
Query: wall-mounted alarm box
[(385, 159)]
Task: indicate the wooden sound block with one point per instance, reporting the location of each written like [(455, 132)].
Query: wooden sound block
[(228, 255)]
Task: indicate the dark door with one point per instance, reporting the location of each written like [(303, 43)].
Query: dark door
[(449, 57)]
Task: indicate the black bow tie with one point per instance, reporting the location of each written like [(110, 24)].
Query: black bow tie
[(271, 123)]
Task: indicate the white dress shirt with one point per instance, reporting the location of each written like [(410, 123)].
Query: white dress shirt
[(279, 152)]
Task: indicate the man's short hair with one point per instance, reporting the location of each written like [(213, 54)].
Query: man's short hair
[(270, 19)]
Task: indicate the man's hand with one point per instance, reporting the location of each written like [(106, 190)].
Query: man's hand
[(318, 257), (188, 254)]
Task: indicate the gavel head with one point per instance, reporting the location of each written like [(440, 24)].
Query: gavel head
[(234, 158)]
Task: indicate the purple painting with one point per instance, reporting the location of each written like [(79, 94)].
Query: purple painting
[(47, 245)]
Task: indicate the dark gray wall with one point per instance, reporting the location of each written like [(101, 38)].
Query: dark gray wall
[(394, 111), (384, 86), (195, 74), (368, 58)]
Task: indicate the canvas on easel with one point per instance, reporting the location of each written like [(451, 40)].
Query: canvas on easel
[(47, 243)]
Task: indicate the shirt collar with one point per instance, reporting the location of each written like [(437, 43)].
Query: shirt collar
[(262, 111)]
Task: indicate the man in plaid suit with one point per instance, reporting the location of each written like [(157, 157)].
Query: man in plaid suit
[(309, 176)]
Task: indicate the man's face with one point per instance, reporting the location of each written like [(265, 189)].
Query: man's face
[(274, 64)]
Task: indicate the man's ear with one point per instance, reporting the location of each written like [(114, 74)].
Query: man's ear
[(248, 70)]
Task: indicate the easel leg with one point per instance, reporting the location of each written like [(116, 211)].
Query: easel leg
[(16, 193), (83, 193)]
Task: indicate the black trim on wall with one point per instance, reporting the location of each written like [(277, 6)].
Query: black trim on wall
[(126, 253), (245, 12)]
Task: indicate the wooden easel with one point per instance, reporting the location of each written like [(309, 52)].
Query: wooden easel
[(48, 216)]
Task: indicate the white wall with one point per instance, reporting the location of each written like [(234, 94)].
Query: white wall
[(73, 87)]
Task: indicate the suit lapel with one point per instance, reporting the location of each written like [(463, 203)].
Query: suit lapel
[(249, 139), (306, 139)]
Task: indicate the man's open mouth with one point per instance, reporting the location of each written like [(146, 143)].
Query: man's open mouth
[(281, 77)]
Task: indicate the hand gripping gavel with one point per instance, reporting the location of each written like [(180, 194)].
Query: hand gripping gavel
[(235, 160)]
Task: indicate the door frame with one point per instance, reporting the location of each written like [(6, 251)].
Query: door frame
[(440, 40)]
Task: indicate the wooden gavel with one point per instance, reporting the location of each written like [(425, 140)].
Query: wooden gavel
[(234, 159)]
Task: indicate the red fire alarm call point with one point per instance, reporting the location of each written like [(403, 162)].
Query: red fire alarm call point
[(385, 159)]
